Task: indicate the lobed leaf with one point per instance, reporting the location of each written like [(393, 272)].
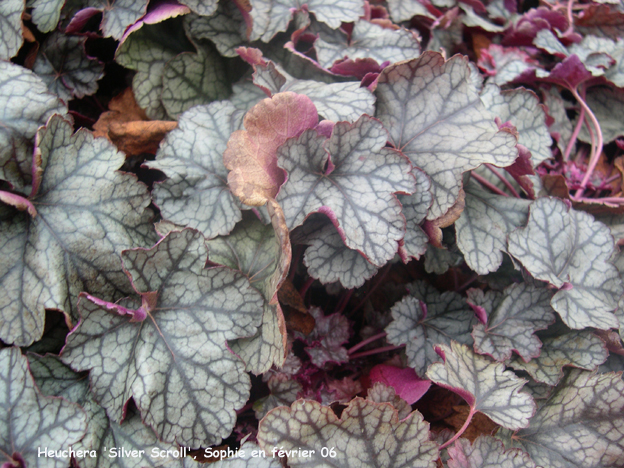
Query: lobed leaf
[(415, 209), (485, 385), (11, 27), (225, 28), (117, 16), (350, 177), (570, 250), (326, 340), (486, 452), (434, 115), (46, 13), (179, 334), (366, 435)]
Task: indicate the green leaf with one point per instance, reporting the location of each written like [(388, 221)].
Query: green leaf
[(179, 333), (87, 213), (350, 177), (485, 385), (25, 105), (579, 426), (486, 452), (65, 67), (196, 192), (11, 38), (46, 13), (366, 435), (522, 108), (426, 318), (147, 51), (32, 421), (367, 40), (191, 79), (119, 14), (571, 250), (513, 316), (434, 115), (483, 226)]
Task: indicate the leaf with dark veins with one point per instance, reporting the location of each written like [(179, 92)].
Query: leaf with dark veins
[(513, 316), (87, 213), (25, 105), (11, 27), (484, 224), (196, 193), (434, 115), (366, 435), (415, 209), (486, 452), (426, 318), (485, 385), (46, 13), (32, 421), (571, 251), (581, 425), (351, 178), (191, 312), (225, 28)]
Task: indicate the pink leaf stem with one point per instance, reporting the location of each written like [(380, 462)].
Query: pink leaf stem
[(375, 351), (503, 180), (595, 156), (487, 184), (361, 344), (461, 430), (574, 136)]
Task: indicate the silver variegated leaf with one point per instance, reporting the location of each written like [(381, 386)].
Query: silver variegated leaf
[(11, 27), (25, 105), (179, 333), (56, 379), (191, 79), (196, 192), (522, 108), (405, 10), (367, 40), (473, 20), (561, 129), (326, 340), (485, 385), (32, 422), (571, 250), (434, 115), (46, 13), (484, 224), (438, 260), (415, 209), (607, 104), (226, 28), (201, 7), (513, 316), (426, 318), (284, 392), (381, 393), (147, 51), (366, 435), (581, 425), (486, 452), (87, 212), (563, 347), (272, 16), (64, 66), (351, 178), (118, 15)]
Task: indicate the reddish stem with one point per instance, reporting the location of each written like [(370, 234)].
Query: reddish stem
[(604, 200), (375, 351), (503, 180), (487, 184), (361, 344), (306, 286), (461, 430), (574, 136), (597, 151)]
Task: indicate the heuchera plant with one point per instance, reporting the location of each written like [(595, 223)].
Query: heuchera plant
[(355, 233)]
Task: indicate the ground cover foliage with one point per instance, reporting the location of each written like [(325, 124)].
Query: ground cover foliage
[(364, 233)]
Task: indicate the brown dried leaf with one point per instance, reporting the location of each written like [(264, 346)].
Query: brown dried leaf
[(433, 228), (289, 296), (480, 423)]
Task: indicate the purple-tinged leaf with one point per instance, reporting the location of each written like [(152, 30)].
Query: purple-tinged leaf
[(405, 10), (32, 421), (201, 7), (522, 108), (272, 16), (119, 14), (19, 202), (225, 28), (513, 316), (607, 104), (524, 30), (404, 381), (11, 38), (196, 192), (601, 21), (326, 340), (190, 79), (504, 64), (367, 40), (56, 379), (485, 385), (473, 20), (366, 435), (571, 251), (579, 426), (426, 318), (193, 311), (284, 392), (484, 224), (147, 50), (46, 13), (86, 214), (25, 105), (351, 178), (415, 209), (64, 66), (486, 452), (434, 115), (382, 393), (562, 347), (569, 74)]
